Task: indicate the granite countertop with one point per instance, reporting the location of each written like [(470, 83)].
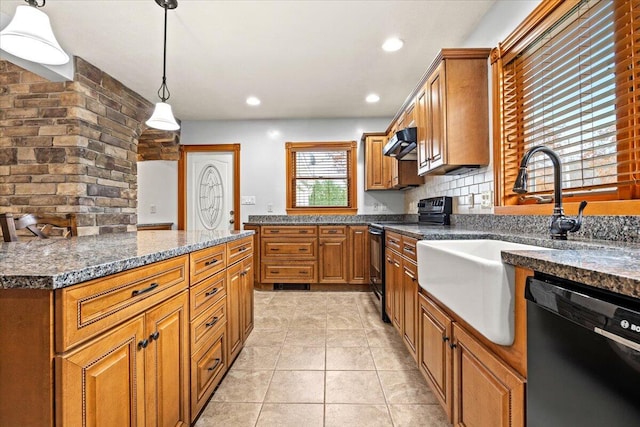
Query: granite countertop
[(603, 264), (57, 263)]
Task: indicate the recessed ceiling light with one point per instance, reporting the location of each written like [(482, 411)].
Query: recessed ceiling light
[(372, 98), (392, 44), (253, 101)]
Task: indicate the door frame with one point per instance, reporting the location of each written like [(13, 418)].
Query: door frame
[(182, 178)]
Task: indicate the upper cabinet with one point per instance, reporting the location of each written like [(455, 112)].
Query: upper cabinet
[(378, 166), (452, 112)]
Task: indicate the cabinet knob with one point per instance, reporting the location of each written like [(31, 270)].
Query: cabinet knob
[(143, 344), (445, 338), (154, 336), (452, 346)]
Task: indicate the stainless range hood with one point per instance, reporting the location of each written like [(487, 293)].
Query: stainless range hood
[(402, 145)]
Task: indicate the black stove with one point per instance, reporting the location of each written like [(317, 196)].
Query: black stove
[(434, 211)]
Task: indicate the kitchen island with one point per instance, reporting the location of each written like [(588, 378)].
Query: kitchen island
[(120, 329)]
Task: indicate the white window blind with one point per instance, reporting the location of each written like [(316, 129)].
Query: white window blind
[(321, 178)]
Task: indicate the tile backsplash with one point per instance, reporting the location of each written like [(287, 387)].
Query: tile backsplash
[(465, 189)]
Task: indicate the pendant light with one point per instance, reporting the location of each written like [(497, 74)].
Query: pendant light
[(29, 36), (162, 117)]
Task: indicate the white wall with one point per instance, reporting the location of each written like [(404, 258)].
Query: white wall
[(499, 21), (262, 163), (158, 187)]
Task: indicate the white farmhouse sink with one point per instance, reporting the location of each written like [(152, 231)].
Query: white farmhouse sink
[(468, 276)]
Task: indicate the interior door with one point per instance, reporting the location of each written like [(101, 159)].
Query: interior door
[(209, 189)]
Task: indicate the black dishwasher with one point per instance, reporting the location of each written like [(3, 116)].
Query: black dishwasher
[(583, 356)]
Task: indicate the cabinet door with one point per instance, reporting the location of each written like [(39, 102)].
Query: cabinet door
[(247, 297), (436, 116), (434, 353), (234, 314), (389, 283), (378, 166), (410, 305), (398, 295), (358, 255), (333, 260), (102, 384), (167, 363), (487, 392), (421, 124)]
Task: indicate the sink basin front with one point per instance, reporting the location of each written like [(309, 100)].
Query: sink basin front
[(468, 276)]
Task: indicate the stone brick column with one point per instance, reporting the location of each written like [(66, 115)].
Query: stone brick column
[(71, 147)]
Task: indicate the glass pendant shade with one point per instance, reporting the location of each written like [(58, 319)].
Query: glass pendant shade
[(29, 36), (162, 118)]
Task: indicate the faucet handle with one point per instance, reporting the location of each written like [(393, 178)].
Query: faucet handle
[(578, 223)]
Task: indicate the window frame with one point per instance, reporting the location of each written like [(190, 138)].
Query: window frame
[(352, 183), (543, 17)]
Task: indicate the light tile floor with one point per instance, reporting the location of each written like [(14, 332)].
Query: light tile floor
[(322, 359)]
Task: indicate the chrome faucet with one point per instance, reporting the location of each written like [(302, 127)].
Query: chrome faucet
[(560, 224)]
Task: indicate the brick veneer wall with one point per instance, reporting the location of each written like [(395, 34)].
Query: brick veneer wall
[(71, 146)]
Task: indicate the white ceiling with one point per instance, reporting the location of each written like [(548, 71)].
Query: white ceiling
[(303, 59)]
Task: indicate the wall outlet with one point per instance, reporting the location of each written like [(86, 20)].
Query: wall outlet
[(375, 206), (384, 207), (486, 200), (248, 200), (269, 207), (153, 209)]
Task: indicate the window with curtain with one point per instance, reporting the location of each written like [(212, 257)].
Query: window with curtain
[(321, 177), (568, 82)]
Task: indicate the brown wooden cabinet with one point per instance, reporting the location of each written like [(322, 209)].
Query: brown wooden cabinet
[(401, 283), (324, 255), (434, 352), (332, 265), (239, 304), (358, 254), (135, 375), (451, 111), (486, 391), (377, 166), (476, 381)]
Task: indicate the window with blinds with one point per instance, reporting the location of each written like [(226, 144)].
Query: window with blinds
[(572, 89), (321, 177)]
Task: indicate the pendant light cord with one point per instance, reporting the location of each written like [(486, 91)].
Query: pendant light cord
[(163, 92)]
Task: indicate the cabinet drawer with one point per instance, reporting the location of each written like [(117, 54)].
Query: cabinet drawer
[(207, 293), (332, 231), (203, 327), (207, 262), (409, 248), (239, 249), (298, 272), (86, 310), (393, 241), (289, 248), (290, 230), (208, 366)]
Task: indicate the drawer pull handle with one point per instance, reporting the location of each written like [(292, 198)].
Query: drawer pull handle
[(215, 365), (154, 336), (211, 262), (242, 249), (143, 344), (274, 231), (304, 231), (213, 322), (275, 272), (302, 272), (142, 291), (275, 249), (333, 231), (302, 249), (211, 292)]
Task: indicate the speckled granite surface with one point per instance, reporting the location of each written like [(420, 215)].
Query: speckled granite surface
[(56, 263), (603, 254), (604, 264)]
